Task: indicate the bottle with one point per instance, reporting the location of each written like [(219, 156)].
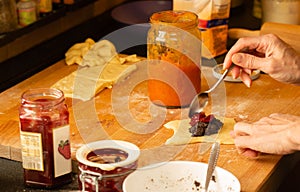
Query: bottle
[(56, 4), (8, 15), (45, 7), (174, 58), (45, 138), (26, 12)]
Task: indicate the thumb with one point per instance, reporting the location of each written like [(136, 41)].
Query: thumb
[(247, 61)]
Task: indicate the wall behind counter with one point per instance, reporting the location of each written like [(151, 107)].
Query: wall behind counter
[(31, 49)]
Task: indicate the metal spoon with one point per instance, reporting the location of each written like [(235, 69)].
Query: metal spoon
[(200, 100), (212, 162)]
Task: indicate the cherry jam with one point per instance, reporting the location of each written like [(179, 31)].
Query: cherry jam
[(96, 178), (45, 138)]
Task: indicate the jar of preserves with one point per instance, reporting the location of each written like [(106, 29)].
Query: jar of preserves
[(104, 165), (8, 16), (174, 58), (27, 12), (45, 7), (45, 138)]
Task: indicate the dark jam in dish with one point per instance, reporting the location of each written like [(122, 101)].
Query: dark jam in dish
[(107, 155), (204, 125), (111, 180)]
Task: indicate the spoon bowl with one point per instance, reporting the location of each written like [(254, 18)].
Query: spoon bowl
[(200, 100)]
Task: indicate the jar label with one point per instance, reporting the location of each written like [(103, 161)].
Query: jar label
[(27, 16), (32, 150), (62, 151)]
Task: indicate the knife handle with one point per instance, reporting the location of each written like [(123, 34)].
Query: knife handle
[(212, 162)]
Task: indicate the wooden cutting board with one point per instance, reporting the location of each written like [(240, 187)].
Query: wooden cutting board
[(266, 96), (287, 32)]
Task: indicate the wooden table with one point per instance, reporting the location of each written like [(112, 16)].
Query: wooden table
[(95, 119)]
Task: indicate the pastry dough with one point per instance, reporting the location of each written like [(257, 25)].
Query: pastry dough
[(75, 54), (101, 67), (100, 53), (182, 135), (86, 82)]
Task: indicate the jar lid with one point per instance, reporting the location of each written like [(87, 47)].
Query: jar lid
[(175, 17), (132, 150)]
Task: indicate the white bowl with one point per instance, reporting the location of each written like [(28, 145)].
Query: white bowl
[(179, 176)]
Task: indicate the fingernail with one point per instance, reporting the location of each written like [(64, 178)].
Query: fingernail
[(248, 84), (237, 58)]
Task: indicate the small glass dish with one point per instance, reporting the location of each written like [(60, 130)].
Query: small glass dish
[(218, 71)]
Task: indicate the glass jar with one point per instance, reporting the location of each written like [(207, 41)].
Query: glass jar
[(45, 138), (104, 165), (45, 7), (174, 58), (27, 12), (8, 16)]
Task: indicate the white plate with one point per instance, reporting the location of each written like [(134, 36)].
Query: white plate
[(179, 176), (218, 70)]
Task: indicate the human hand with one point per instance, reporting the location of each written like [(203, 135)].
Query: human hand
[(267, 53), (277, 134)]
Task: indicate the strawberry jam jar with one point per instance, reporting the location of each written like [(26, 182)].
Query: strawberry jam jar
[(45, 138), (103, 165)]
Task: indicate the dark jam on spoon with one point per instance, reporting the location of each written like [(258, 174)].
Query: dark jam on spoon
[(204, 125)]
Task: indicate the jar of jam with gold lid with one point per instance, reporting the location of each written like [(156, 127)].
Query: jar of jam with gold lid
[(174, 58), (45, 138)]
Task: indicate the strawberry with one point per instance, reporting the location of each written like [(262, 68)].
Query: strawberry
[(64, 148)]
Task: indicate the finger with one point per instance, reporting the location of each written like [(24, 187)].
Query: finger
[(262, 121), (241, 44), (235, 71), (246, 129), (268, 143), (248, 71), (246, 78), (248, 61), (267, 125), (287, 117), (242, 129), (246, 43), (249, 153), (276, 121)]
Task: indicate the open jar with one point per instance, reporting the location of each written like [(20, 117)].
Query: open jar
[(174, 58), (103, 165)]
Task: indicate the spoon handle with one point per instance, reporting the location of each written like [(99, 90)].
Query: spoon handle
[(212, 162), (220, 79)]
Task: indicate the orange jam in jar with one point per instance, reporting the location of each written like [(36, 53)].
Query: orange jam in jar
[(174, 58)]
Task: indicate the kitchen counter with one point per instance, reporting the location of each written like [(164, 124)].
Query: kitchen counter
[(242, 103)]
